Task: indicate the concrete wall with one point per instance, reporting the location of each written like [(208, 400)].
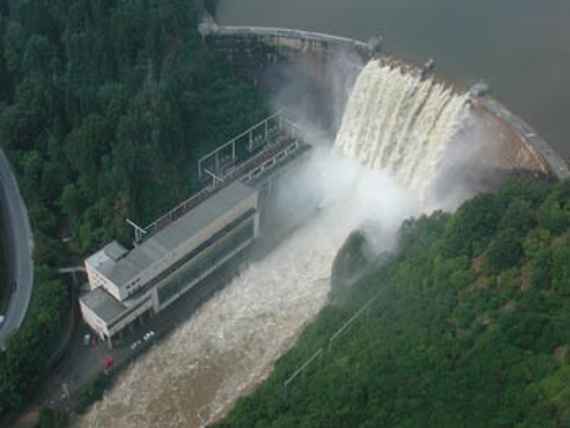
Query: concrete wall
[(251, 50), (91, 318), (522, 148), (132, 316), (94, 277)]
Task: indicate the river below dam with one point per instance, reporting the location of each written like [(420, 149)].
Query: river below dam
[(230, 344), (520, 47)]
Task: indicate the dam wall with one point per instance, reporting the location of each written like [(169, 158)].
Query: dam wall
[(251, 50), (256, 53), (293, 66), (525, 148)]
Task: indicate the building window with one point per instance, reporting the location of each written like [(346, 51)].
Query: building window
[(210, 257)]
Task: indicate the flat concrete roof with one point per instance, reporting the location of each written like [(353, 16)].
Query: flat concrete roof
[(106, 258), (115, 251), (103, 304), (178, 232)]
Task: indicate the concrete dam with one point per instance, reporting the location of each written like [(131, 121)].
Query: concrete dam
[(256, 52), (396, 135)]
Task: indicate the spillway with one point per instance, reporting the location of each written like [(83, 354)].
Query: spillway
[(396, 125), (399, 122)]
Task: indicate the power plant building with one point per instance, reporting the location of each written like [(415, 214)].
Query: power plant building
[(125, 285)]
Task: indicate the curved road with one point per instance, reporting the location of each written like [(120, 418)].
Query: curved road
[(19, 245)]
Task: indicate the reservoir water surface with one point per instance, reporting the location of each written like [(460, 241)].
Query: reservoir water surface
[(520, 47)]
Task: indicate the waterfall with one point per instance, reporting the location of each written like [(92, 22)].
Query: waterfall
[(394, 121), (398, 122)]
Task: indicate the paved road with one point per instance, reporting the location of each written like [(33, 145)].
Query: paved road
[(19, 247)]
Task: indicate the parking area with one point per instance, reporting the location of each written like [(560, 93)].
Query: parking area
[(86, 359)]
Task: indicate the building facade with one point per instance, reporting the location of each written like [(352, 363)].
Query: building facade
[(125, 285)]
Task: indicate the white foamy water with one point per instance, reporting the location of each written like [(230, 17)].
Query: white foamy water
[(394, 123), (233, 340), (229, 343), (397, 122)]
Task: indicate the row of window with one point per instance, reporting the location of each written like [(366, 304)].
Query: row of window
[(214, 255), (134, 286), (126, 314), (199, 249)]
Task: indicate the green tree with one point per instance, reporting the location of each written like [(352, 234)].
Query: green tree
[(38, 55), (14, 44), (561, 265), (472, 227), (505, 250), (554, 214)]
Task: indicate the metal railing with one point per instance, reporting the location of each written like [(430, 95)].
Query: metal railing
[(268, 143), (214, 163)]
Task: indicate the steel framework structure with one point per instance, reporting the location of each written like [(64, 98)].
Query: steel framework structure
[(245, 157)]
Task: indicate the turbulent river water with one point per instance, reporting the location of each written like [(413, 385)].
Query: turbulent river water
[(232, 341), (392, 139), (228, 344)]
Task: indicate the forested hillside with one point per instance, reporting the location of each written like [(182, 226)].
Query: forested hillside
[(469, 328), (105, 106)]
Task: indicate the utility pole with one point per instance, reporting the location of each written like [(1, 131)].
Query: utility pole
[(139, 231)]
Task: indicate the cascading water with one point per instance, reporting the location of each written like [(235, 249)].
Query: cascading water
[(398, 122), (393, 122)]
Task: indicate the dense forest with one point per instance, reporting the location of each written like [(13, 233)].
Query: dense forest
[(105, 106), (467, 327), (4, 286)]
